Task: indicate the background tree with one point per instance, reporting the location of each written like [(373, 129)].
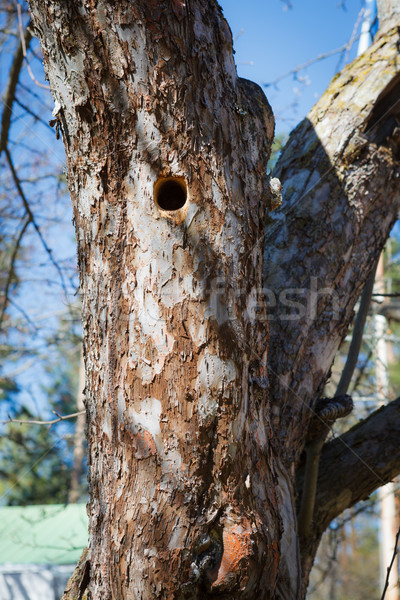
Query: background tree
[(347, 564), (44, 464), (40, 341)]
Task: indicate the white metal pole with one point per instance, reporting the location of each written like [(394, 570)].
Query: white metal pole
[(365, 38), (386, 493)]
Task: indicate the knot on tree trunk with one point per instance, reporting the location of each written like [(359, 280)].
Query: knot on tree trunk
[(326, 411)]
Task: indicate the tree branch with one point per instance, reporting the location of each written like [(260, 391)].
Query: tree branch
[(339, 173), (356, 339), (355, 464), (33, 114), (310, 62), (395, 552), (11, 87), (11, 269), (326, 413), (39, 422), (34, 223), (21, 33), (352, 467)]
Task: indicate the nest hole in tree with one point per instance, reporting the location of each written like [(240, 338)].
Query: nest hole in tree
[(170, 193)]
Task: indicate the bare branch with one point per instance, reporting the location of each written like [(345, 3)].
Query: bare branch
[(48, 423), (34, 115), (325, 414), (353, 36), (358, 330), (11, 87), (312, 61), (395, 552), (21, 33), (32, 220), (24, 314), (11, 269), (330, 171), (388, 295), (352, 467), (361, 371)]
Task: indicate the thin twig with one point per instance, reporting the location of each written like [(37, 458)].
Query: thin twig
[(24, 314), (30, 469), (309, 63), (34, 115), (48, 423), (395, 552), (350, 43), (27, 365), (41, 85), (11, 268), (353, 35), (32, 220), (361, 372), (35, 95), (387, 295)]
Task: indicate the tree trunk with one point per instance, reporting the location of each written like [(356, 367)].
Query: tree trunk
[(191, 461), (169, 221), (340, 172)]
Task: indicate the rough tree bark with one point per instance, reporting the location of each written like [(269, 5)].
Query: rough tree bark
[(193, 442)]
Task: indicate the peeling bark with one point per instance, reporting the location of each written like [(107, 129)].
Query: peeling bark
[(191, 461), (183, 495), (340, 172)]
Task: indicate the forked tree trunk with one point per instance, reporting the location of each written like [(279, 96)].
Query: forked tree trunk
[(191, 468)]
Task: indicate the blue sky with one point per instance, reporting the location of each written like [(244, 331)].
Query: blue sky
[(276, 40)]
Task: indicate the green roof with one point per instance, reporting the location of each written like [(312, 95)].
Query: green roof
[(43, 534)]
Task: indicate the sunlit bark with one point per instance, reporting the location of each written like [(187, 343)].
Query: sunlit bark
[(193, 442)]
